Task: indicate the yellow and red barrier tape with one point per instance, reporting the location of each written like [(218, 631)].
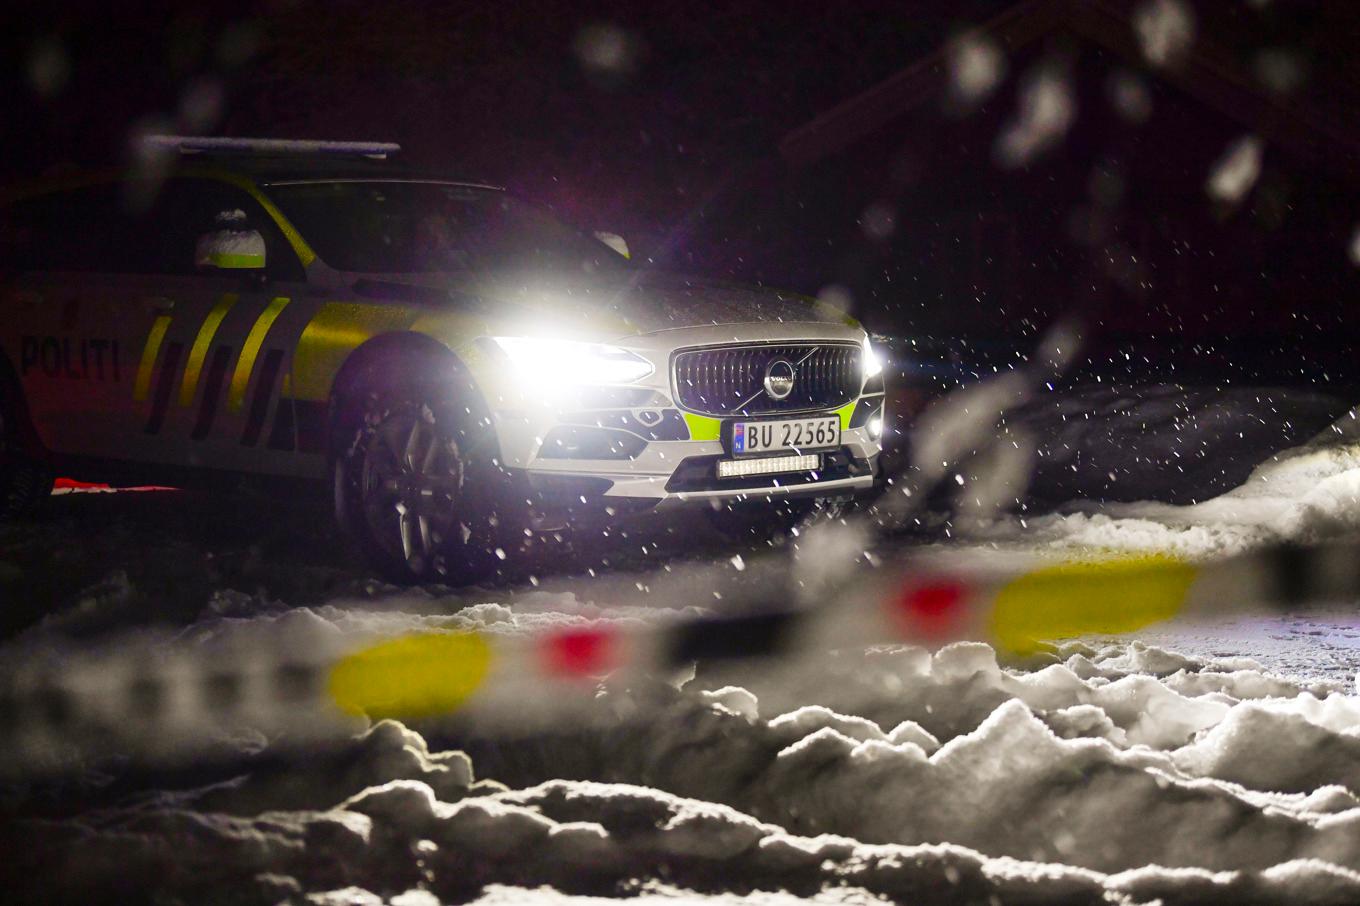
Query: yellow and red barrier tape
[(170, 698)]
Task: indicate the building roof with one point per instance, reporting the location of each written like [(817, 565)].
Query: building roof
[(1207, 72)]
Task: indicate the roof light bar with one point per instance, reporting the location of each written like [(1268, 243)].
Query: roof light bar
[(189, 144)]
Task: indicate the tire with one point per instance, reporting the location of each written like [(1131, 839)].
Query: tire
[(25, 480), (416, 484)]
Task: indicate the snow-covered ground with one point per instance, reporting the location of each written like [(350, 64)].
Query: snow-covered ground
[(1306, 493), (1216, 762), (1122, 773)]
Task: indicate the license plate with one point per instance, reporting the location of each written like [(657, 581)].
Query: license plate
[(801, 435)]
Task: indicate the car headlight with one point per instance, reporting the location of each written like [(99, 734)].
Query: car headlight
[(557, 362), (873, 362)]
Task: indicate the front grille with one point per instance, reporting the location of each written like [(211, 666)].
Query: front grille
[(731, 380)]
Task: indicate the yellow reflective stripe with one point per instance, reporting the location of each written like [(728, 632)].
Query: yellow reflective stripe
[(227, 261), (1077, 599), (300, 246), (202, 342), (142, 386), (337, 330), (701, 427), (414, 676), (705, 429), (845, 412), (240, 379)]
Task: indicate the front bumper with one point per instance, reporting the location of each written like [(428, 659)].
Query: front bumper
[(635, 447), (679, 471), (668, 473)]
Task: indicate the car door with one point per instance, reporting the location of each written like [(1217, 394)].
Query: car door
[(67, 329), (127, 349), (209, 367)]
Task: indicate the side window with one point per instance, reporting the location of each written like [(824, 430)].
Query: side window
[(90, 229), (66, 231), (17, 237), (190, 208), (95, 229)]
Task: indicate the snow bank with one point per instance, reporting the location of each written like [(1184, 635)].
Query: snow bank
[(1122, 774), (1305, 493), (1100, 773), (597, 839)]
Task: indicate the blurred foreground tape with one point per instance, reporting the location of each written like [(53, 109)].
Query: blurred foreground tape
[(412, 676), (1075, 599), (294, 680)]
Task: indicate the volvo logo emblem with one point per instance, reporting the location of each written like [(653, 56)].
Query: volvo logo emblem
[(779, 376)]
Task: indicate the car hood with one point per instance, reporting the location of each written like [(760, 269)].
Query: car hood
[(613, 306)]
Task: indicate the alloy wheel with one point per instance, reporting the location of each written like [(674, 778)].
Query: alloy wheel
[(410, 485)]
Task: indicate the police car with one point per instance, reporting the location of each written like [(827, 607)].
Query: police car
[(461, 367)]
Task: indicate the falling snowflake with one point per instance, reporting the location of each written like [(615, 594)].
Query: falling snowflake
[(1047, 108), (1165, 29), (1236, 172), (976, 68)]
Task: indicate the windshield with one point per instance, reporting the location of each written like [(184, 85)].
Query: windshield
[(424, 227)]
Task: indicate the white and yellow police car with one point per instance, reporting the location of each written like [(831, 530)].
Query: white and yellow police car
[(458, 364)]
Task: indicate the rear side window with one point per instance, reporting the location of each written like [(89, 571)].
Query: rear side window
[(190, 207), (16, 238), (95, 230), (86, 229), (389, 227)]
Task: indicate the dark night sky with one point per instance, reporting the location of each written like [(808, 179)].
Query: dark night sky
[(458, 83), (659, 118), (509, 86)]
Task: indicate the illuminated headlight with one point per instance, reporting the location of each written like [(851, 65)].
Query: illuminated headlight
[(873, 364), (875, 427), (551, 363)]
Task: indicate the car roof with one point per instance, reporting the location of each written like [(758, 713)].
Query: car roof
[(261, 172), (268, 170), (275, 160), (260, 162)]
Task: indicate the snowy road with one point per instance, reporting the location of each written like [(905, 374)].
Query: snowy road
[(1199, 762)]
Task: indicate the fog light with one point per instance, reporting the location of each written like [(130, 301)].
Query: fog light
[(875, 427), (740, 468), (579, 442)]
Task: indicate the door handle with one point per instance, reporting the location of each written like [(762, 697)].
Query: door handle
[(160, 304)]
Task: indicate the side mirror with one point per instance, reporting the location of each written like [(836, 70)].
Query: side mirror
[(230, 250), (615, 242)]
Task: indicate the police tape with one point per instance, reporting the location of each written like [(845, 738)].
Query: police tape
[(174, 697)]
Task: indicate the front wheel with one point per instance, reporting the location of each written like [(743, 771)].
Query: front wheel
[(411, 488)]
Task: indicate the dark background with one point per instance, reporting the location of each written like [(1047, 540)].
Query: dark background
[(664, 122)]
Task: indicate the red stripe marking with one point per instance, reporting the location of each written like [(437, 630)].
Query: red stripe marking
[(72, 484), (935, 610), (581, 652)]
